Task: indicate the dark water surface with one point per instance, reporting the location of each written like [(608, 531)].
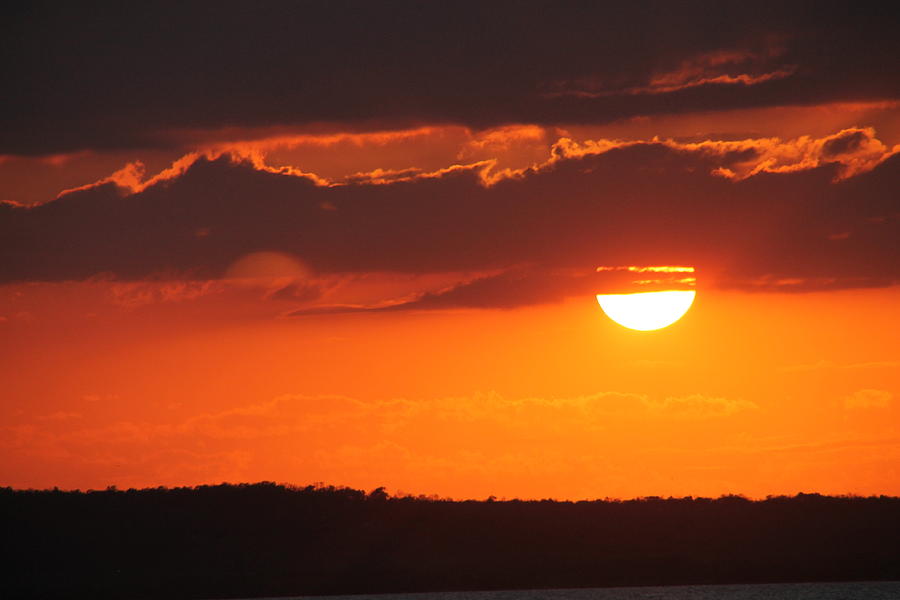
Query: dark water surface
[(876, 590)]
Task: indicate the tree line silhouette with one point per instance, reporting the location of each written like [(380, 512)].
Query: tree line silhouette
[(263, 539)]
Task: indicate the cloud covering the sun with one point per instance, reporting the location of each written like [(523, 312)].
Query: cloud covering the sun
[(462, 140), (759, 214)]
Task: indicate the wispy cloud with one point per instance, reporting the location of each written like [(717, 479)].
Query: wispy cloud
[(868, 398)]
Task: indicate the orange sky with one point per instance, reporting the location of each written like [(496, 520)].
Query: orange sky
[(221, 260), (750, 393)]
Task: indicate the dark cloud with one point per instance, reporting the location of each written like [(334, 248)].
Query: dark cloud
[(640, 204), (519, 286), (113, 75), (844, 144), (297, 291)]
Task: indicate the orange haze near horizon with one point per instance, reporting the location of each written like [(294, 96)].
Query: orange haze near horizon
[(750, 393)]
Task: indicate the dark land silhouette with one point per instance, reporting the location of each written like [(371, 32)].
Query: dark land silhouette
[(265, 539)]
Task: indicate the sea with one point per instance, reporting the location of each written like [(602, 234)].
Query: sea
[(875, 590)]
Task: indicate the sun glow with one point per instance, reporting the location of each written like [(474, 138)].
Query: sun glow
[(647, 311)]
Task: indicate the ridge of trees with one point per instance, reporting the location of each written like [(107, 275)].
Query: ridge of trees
[(265, 539)]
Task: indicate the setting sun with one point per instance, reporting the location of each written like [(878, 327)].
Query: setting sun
[(646, 311)]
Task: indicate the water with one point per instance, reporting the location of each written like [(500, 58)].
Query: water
[(875, 590)]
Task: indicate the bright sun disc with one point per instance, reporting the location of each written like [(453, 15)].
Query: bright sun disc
[(646, 311)]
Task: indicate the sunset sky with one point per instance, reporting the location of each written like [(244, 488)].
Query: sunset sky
[(360, 243)]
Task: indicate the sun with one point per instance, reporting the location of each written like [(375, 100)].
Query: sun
[(646, 311)]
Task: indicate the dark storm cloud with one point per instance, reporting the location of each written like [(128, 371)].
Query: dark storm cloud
[(641, 204), (112, 75)]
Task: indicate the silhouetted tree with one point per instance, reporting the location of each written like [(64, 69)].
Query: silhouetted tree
[(265, 539)]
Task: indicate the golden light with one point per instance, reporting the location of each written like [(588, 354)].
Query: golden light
[(646, 311)]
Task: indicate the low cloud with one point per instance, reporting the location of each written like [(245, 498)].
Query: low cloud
[(828, 365), (521, 286), (700, 406), (319, 418), (867, 399), (134, 294), (574, 446)]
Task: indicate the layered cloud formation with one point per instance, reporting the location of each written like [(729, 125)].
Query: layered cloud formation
[(107, 75), (807, 213)]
